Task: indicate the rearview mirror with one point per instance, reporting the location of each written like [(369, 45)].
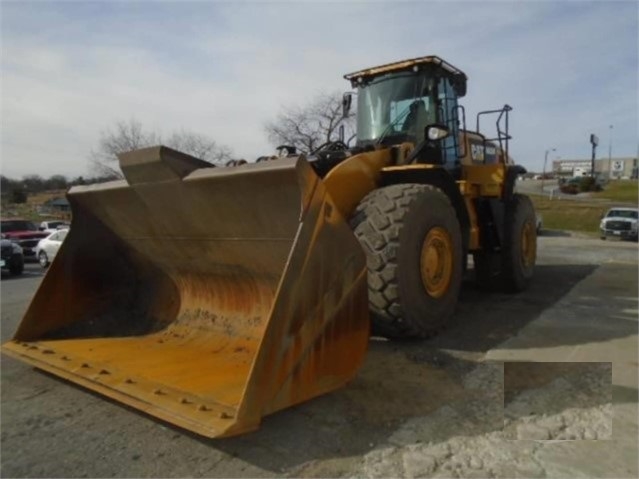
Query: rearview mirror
[(436, 132), (347, 100)]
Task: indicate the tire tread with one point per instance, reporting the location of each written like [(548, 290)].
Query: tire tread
[(377, 223)]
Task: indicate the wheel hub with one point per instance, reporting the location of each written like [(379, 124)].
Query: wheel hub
[(437, 262)]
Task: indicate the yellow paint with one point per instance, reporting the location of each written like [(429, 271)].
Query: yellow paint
[(474, 233), (403, 65), (488, 178), (354, 178), (436, 261)]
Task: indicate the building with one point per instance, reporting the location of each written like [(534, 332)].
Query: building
[(56, 205), (615, 168)]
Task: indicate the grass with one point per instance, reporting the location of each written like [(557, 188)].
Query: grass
[(571, 215), (620, 190), (584, 214), (29, 210)]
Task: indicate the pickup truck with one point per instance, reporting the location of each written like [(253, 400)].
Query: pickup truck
[(620, 222), (24, 233)]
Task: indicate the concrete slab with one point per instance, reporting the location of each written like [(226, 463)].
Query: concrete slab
[(600, 317)]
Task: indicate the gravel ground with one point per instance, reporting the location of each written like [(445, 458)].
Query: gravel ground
[(422, 447), (565, 401)]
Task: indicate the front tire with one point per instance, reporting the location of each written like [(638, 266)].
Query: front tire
[(412, 239)]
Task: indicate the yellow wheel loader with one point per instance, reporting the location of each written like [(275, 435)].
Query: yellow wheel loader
[(211, 297)]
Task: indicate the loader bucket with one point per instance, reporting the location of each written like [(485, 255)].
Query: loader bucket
[(207, 297)]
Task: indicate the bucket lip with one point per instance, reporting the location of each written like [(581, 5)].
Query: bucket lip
[(108, 185), (214, 420), (248, 168)]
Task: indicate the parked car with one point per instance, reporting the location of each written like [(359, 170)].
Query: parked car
[(48, 247), (11, 257), (620, 223), (23, 232), (53, 226)]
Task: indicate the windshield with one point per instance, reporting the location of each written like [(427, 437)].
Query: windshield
[(622, 214), (396, 105), (17, 225)]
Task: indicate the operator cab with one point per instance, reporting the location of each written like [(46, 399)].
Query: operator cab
[(397, 101)]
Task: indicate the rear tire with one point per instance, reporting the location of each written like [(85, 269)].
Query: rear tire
[(510, 269), (519, 252), (412, 239)]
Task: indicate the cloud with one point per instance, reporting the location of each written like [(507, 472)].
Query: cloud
[(70, 70)]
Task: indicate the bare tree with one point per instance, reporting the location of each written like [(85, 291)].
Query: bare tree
[(128, 136), (199, 146), (33, 183), (308, 127)]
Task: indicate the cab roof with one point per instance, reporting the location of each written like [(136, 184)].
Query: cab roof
[(405, 65)]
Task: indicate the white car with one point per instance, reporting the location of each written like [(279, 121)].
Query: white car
[(48, 247), (621, 223), (53, 226)]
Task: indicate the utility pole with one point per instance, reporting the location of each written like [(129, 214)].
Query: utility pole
[(543, 173), (610, 146), (594, 141)]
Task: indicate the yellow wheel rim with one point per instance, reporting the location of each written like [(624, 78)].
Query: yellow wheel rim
[(528, 244), (436, 263)]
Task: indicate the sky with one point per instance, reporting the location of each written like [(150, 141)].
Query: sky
[(71, 70)]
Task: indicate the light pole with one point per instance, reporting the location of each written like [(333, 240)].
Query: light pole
[(609, 145), (543, 173), (610, 151)]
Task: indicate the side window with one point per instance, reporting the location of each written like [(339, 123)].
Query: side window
[(54, 237), (62, 235)]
